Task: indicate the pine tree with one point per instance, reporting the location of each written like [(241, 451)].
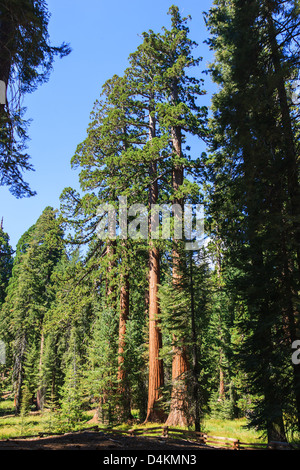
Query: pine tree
[(252, 174), (29, 293), (70, 413), (103, 365), (71, 310)]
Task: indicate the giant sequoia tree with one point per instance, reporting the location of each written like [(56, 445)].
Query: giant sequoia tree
[(181, 115), (134, 148)]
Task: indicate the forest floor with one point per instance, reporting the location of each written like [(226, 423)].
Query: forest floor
[(91, 440), (37, 430)]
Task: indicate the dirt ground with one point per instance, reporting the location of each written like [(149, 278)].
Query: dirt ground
[(92, 440)]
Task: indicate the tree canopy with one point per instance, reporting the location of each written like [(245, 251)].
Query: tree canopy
[(26, 61)]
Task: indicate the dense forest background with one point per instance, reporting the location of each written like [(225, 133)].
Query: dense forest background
[(132, 327)]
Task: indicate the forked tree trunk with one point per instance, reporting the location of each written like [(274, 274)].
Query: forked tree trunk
[(156, 372)]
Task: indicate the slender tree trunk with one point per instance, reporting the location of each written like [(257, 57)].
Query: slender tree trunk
[(110, 278), (40, 396), (122, 372), (221, 380), (156, 372), (219, 274)]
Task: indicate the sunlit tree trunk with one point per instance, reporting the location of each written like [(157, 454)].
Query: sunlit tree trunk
[(156, 372)]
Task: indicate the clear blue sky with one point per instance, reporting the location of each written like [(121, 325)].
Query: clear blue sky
[(101, 34)]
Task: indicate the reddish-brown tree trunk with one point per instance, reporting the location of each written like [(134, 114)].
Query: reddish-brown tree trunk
[(222, 385), (156, 372), (178, 415)]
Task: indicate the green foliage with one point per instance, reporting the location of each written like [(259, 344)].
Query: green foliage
[(70, 413), (6, 262), (29, 291), (253, 191), (26, 59)]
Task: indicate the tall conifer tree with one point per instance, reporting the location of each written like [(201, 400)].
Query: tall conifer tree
[(254, 135), (29, 294)]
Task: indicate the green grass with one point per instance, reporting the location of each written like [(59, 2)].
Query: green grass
[(33, 424), (11, 426), (30, 424), (234, 428)]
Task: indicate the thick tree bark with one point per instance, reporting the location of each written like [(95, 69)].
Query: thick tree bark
[(156, 372)]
